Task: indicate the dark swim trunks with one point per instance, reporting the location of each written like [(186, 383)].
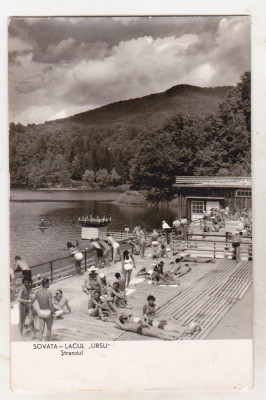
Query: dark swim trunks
[(140, 329), (99, 252), (162, 324)]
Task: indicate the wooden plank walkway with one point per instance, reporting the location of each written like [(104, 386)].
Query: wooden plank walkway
[(208, 300), (204, 295)]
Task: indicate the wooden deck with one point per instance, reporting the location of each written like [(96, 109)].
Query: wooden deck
[(208, 300), (204, 296)]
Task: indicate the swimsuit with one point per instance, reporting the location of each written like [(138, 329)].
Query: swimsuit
[(44, 314), (140, 329), (128, 264)]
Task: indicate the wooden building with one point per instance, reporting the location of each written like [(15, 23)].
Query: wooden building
[(198, 194)]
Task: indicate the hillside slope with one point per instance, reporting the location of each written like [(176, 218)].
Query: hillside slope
[(153, 109)]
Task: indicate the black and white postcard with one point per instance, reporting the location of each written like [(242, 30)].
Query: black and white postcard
[(131, 223)]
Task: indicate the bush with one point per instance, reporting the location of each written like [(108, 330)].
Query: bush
[(133, 198)]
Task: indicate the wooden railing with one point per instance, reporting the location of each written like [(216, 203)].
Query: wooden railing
[(207, 247)]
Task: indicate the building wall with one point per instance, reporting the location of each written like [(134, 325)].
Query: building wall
[(229, 195)]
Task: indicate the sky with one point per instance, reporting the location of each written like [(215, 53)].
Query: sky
[(59, 67)]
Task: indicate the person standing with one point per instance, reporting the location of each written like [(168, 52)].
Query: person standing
[(47, 310), (128, 263), (155, 243), (167, 229), (107, 252), (25, 305), (99, 251), (115, 245), (21, 265), (142, 241), (76, 253), (236, 241)]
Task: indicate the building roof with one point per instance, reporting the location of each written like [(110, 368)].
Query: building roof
[(213, 181)]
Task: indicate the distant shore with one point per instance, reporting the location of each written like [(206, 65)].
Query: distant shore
[(120, 188)]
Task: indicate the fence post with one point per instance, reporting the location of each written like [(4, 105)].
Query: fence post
[(214, 249), (52, 272), (85, 261)]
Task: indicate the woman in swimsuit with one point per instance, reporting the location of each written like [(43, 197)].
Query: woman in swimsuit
[(128, 263)]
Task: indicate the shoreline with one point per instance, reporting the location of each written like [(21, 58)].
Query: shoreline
[(72, 189)]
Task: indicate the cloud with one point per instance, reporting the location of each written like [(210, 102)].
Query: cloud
[(38, 115), (67, 65)]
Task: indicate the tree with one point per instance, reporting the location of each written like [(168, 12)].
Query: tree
[(103, 178), (76, 168), (89, 177), (153, 167)]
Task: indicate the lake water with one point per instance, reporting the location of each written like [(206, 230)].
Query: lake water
[(60, 211)]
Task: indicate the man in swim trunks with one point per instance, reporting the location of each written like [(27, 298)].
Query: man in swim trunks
[(60, 304), (118, 298), (97, 307), (199, 260), (25, 305), (127, 323), (122, 281), (107, 251), (47, 310), (115, 246), (99, 251), (21, 265)]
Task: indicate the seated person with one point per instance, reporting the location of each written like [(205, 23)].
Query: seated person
[(122, 281), (167, 323), (60, 304), (116, 297), (97, 307), (92, 280), (135, 247), (159, 275), (163, 251), (103, 283), (180, 269)]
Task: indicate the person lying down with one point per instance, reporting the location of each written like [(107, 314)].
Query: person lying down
[(161, 330), (185, 257)]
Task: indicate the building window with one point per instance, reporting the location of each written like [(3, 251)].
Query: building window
[(243, 193), (197, 207)]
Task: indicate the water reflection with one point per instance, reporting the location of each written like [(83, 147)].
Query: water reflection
[(61, 221)]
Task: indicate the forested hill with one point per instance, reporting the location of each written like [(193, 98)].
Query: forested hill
[(153, 109), (104, 146)]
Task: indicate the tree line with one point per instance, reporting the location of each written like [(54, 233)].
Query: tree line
[(66, 153)]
